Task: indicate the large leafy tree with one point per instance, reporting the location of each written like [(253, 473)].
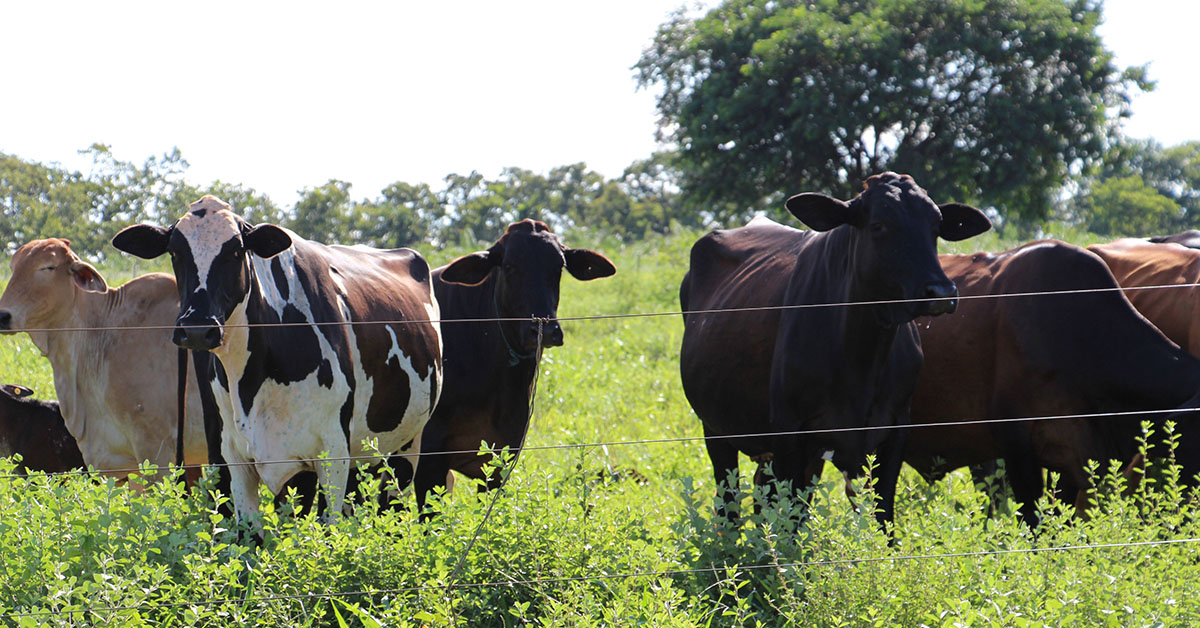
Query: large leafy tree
[(1141, 188), (988, 101)]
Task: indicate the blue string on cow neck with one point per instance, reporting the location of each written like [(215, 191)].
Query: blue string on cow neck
[(514, 358)]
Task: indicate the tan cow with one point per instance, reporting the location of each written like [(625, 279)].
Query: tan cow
[(1175, 311), (117, 388)]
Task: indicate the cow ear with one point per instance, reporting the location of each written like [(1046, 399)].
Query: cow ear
[(267, 240), (87, 277), (469, 270), (144, 241), (822, 213), (960, 222), (586, 265), (16, 392)]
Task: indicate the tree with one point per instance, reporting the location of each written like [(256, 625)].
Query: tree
[(1173, 171), (404, 215), (985, 101), (1126, 206), (324, 213)]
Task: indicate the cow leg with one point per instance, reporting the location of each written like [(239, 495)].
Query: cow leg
[(206, 378), (243, 490), (1027, 485), (890, 459), (305, 483), (405, 465), (431, 474), (724, 457), (333, 474)]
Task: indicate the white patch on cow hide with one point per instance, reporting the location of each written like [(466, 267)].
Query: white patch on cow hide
[(267, 286), (207, 234)]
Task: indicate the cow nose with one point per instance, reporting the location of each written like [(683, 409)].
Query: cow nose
[(201, 336), (552, 335), (946, 294), (5, 320)]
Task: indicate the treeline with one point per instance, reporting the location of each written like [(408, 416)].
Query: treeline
[(1140, 188), (39, 200)]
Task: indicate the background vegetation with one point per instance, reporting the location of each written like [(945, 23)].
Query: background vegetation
[(1013, 105)]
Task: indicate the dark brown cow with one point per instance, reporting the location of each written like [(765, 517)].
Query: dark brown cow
[(1175, 311), (489, 367), (1040, 356), (35, 430), (760, 371), (1189, 238)]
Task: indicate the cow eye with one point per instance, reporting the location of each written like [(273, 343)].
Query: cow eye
[(877, 228), (50, 268)]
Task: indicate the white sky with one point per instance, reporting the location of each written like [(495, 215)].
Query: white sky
[(282, 96)]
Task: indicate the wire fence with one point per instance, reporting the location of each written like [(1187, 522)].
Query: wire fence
[(453, 584), (595, 317)]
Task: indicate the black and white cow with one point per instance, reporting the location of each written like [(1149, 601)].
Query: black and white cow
[(318, 385)]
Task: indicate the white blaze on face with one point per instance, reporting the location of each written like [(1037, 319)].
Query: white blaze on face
[(206, 234)]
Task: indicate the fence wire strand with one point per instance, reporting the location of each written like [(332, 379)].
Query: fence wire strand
[(593, 317), (617, 443)]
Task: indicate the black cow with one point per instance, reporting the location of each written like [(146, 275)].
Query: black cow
[(770, 370), (35, 430), (490, 366), (325, 382)]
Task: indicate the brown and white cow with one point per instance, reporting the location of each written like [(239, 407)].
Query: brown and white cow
[(116, 383), (1045, 355), (490, 366), (35, 430), (763, 369), (321, 348)]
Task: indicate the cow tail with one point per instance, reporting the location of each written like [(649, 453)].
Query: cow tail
[(181, 405)]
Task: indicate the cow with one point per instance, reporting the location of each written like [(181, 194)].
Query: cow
[(1189, 238), (1045, 355), (785, 361), (1175, 311), (490, 365), (110, 349), (36, 431), (320, 349)]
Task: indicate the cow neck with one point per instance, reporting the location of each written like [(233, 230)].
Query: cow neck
[(70, 356), (514, 358), (234, 352), (867, 341)]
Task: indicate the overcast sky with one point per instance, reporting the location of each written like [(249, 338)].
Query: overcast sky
[(283, 96)]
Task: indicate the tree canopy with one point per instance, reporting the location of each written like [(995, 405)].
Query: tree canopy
[(984, 101)]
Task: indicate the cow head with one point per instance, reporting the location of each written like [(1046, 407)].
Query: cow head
[(210, 250), (894, 255), (47, 276), (528, 261)]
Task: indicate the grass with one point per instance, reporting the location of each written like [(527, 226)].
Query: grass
[(574, 523)]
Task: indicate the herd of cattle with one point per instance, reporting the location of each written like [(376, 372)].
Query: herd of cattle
[(306, 357)]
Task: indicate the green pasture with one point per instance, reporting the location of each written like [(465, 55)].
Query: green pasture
[(597, 535)]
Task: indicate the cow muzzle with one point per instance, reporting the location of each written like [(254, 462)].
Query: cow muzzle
[(552, 334), (202, 335), (944, 298)]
